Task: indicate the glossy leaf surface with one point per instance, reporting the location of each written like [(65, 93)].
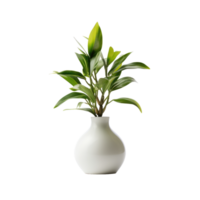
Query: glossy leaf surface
[(86, 90), (119, 62), (84, 109), (70, 73), (95, 39), (129, 101), (134, 65), (80, 45), (69, 96), (71, 80), (83, 61), (95, 61), (123, 82), (112, 54)]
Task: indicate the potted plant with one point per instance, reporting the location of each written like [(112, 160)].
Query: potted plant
[(99, 150)]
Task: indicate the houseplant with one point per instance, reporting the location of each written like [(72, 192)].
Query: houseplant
[(99, 150)]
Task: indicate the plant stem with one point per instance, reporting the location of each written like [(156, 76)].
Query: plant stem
[(104, 72), (95, 94), (91, 84), (100, 103), (105, 69), (95, 77), (105, 66), (90, 106), (106, 101), (86, 82), (100, 113)]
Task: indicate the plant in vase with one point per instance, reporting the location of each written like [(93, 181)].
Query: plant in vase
[(99, 150)]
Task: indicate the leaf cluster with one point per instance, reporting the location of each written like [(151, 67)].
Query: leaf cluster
[(94, 91)]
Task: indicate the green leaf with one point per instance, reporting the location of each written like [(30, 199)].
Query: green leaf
[(111, 79), (102, 84), (72, 80), (83, 109), (78, 42), (118, 62), (95, 40), (94, 61), (100, 64), (85, 90), (118, 73), (71, 72), (114, 83), (134, 65), (72, 89), (122, 83), (85, 62), (84, 37), (79, 104), (73, 95), (79, 107), (128, 101), (111, 55), (79, 50)]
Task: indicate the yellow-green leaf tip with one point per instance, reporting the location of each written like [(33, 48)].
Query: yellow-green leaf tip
[(53, 72), (53, 108), (141, 111)]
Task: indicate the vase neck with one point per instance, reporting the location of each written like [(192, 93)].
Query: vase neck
[(100, 121)]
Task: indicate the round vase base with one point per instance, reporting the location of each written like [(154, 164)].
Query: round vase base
[(101, 174)]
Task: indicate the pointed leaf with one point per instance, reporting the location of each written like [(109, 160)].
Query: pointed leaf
[(118, 62), (95, 41), (73, 95), (111, 79), (72, 89), (102, 84), (79, 50), (128, 101), (100, 64), (118, 73), (84, 37), (111, 55), (79, 107), (72, 80), (71, 72), (68, 109), (83, 109), (94, 61), (85, 62), (134, 65), (85, 90), (122, 83), (79, 104), (78, 42)]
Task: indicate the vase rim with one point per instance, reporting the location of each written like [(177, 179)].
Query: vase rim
[(100, 116), (100, 120)]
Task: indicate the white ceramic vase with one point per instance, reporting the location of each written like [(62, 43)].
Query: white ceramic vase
[(100, 150)]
